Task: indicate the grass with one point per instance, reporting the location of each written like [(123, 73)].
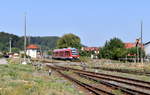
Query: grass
[(17, 79), (117, 92), (119, 66), (84, 59)]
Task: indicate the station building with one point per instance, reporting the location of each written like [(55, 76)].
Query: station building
[(33, 51)]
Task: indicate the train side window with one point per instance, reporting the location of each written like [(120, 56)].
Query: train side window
[(61, 53), (56, 53), (67, 53)]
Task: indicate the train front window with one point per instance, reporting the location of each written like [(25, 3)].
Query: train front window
[(74, 52)]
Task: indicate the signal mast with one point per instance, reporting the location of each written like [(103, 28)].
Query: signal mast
[(25, 41)]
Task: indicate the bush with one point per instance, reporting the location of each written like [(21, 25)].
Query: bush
[(1, 55), (84, 59)]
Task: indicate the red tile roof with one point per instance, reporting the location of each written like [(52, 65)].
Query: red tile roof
[(32, 46), (130, 45), (91, 49)]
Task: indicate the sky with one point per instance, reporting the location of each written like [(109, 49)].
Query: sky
[(94, 21)]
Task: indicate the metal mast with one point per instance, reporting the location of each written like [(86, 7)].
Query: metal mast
[(25, 39), (141, 42), (29, 38)]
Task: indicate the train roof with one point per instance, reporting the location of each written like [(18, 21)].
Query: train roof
[(64, 49)]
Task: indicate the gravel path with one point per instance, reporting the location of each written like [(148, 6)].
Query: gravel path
[(3, 61)]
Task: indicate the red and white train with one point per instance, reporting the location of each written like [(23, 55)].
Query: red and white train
[(66, 53)]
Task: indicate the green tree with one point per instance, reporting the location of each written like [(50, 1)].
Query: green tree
[(50, 52), (46, 43), (4, 40), (113, 49), (69, 40), (15, 50), (133, 51), (86, 53)]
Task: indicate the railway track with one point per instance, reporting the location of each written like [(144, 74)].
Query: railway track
[(121, 71), (127, 85), (92, 89), (107, 75), (129, 90)]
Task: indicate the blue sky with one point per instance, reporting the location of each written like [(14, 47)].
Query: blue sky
[(94, 21)]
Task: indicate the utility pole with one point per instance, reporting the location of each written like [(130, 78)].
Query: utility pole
[(10, 45), (25, 39), (141, 42), (29, 38), (137, 50)]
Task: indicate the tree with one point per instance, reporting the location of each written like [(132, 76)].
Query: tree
[(113, 49), (15, 50), (86, 53), (46, 43), (69, 40), (50, 52), (133, 52)]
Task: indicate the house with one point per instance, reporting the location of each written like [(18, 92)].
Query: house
[(147, 49), (33, 51), (95, 51), (132, 45)]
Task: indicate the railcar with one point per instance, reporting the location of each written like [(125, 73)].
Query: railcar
[(66, 54)]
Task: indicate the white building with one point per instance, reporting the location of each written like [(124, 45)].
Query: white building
[(32, 51), (147, 49), (94, 50)]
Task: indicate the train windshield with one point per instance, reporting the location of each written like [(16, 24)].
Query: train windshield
[(74, 52)]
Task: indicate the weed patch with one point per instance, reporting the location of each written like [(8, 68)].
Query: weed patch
[(18, 79)]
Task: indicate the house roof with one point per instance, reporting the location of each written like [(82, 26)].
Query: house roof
[(132, 45), (91, 48), (32, 46), (147, 43), (129, 45)]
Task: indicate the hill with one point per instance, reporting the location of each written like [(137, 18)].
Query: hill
[(47, 42)]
